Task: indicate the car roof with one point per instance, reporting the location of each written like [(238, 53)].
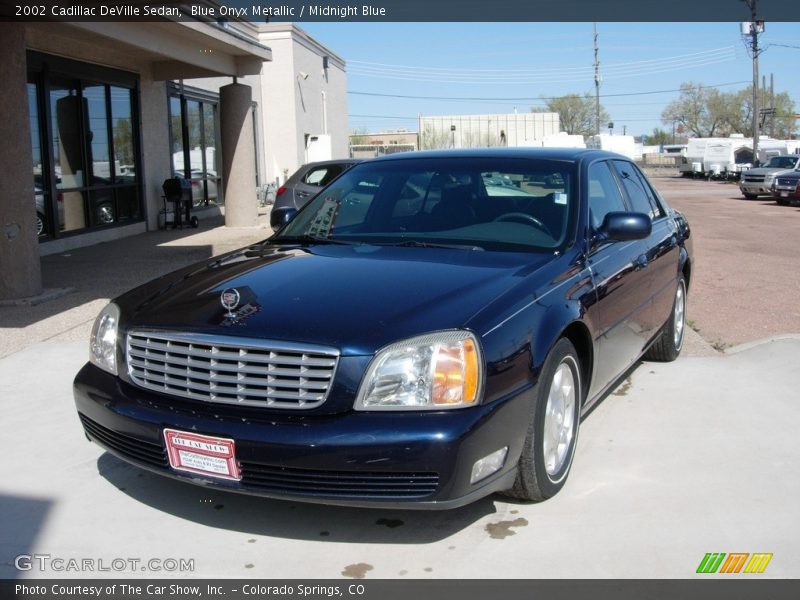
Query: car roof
[(569, 154)]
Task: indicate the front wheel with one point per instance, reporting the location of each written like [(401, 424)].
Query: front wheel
[(553, 430), (782, 201), (669, 343), (750, 196)]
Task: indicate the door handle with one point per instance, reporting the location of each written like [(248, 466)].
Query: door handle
[(641, 262)]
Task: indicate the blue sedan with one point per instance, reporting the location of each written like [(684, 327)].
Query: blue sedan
[(428, 330)]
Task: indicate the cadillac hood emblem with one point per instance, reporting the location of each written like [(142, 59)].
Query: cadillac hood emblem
[(230, 300)]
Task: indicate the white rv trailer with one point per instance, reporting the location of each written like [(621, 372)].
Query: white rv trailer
[(727, 157)]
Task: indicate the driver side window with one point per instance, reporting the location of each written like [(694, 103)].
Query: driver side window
[(604, 193)]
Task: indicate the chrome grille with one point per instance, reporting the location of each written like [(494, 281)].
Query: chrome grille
[(786, 181), (230, 370), (754, 178)]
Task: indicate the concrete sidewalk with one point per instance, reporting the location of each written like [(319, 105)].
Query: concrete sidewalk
[(682, 459)]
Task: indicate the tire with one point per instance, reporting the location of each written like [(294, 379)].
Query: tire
[(670, 341), (543, 468), (750, 196), (39, 223), (782, 201)]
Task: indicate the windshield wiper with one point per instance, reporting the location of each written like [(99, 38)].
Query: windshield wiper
[(419, 244), (307, 239)]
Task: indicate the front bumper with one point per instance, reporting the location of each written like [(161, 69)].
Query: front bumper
[(755, 188), (380, 459)]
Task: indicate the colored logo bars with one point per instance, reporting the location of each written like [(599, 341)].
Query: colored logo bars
[(736, 562)]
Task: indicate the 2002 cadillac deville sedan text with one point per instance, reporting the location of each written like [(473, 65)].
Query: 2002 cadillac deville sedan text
[(427, 331)]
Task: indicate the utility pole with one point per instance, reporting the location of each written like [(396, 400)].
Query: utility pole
[(756, 27), (597, 81)]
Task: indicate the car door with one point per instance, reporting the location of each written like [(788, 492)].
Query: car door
[(620, 280), (661, 246)]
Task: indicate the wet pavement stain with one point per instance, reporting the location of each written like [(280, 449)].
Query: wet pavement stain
[(502, 529), (357, 571), (390, 523), (624, 388)]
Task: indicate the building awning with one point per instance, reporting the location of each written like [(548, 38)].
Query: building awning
[(188, 49)]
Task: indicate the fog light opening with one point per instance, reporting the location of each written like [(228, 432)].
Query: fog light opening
[(487, 465)]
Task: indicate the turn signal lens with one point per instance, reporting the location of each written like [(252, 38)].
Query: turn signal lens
[(455, 374)]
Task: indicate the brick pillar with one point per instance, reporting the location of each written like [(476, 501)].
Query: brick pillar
[(20, 270)]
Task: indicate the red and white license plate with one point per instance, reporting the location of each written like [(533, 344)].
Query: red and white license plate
[(202, 454)]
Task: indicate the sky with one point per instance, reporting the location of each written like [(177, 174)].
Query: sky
[(515, 64)]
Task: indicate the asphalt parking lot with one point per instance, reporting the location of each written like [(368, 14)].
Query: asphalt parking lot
[(681, 459)]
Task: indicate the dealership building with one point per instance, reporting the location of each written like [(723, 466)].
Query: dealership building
[(97, 115)]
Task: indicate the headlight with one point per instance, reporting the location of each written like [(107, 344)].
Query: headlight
[(103, 343), (430, 372)]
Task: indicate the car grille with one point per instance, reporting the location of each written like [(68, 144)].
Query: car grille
[(786, 182), (754, 179), (226, 370), (133, 448), (341, 484)]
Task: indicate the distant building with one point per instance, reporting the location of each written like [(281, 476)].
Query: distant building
[(368, 145), (476, 131)]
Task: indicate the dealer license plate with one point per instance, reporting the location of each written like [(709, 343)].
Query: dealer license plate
[(202, 454)]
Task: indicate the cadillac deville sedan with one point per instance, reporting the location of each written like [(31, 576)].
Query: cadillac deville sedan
[(429, 330)]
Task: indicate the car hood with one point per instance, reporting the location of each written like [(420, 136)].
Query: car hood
[(355, 298), (768, 171)]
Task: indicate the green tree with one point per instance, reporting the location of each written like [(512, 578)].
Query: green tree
[(707, 112), (781, 125), (659, 137), (576, 114), (358, 137), (701, 110)]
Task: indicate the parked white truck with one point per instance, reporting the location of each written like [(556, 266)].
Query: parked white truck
[(755, 182)]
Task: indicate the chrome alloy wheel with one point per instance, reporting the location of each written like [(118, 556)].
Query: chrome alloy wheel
[(679, 316), (560, 416)]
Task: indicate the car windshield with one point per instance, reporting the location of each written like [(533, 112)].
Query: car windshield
[(504, 204), (782, 162)]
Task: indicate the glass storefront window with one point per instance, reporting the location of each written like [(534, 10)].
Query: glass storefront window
[(197, 159), (122, 132), (65, 109), (39, 188), (85, 148), (97, 134)]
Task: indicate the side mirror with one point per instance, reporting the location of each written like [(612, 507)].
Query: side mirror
[(625, 226), (281, 216)]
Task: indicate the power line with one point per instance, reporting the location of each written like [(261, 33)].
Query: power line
[(528, 98)]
